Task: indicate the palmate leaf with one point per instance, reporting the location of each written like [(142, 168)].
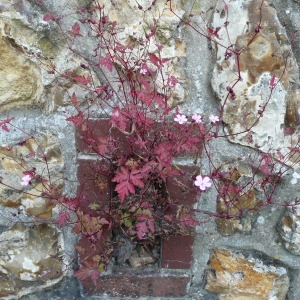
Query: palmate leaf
[(119, 119), (77, 120), (144, 225), (135, 178), (75, 32), (124, 188), (63, 217), (126, 180), (106, 61), (82, 79), (82, 273)]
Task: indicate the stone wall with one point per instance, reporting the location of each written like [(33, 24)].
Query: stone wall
[(254, 257)]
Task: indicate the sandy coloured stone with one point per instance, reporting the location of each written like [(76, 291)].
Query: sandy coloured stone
[(29, 156), (236, 205), (232, 275), (31, 259), (20, 77)]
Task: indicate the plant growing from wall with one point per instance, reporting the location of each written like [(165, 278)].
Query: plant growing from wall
[(129, 84)]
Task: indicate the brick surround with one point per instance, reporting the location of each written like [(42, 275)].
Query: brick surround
[(171, 278)]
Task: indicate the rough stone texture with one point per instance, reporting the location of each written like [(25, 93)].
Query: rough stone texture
[(30, 47), (21, 79), (167, 35), (265, 51), (234, 276), (238, 205), (289, 229), (31, 258), (25, 156), (27, 42)]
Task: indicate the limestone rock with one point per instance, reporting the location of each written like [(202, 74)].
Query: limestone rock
[(289, 229), (20, 78), (30, 259), (232, 275), (132, 33), (31, 155), (263, 51), (29, 50), (236, 203), (141, 258)]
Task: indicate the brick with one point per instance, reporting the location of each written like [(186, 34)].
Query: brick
[(181, 188), (93, 186), (177, 252), (86, 141), (131, 285)]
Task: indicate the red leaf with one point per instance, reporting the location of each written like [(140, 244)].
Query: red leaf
[(106, 62), (157, 61), (83, 80), (4, 123), (31, 154), (135, 178), (100, 89), (5, 128), (31, 172), (121, 175), (82, 273), (77, 120), (94, 276), (145, 224), (145, 97), (75, 30), (74, 100), (63, 217), (142, 229), (49, 17), (123, 189), (102, 146), (265, 168), (72, 203), (118, 119), (289, 130), (191, 144), (189, 221), (172, 81), (127, 181)]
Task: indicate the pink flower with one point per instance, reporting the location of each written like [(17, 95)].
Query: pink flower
[(202, 182), (197, 118), (181, 119), (214, 119), (143, 71), (25, 180)]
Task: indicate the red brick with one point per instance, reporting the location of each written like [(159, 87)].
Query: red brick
[(177, 252), (131, 285), (181, 188), (93, 185), (86, 141)]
